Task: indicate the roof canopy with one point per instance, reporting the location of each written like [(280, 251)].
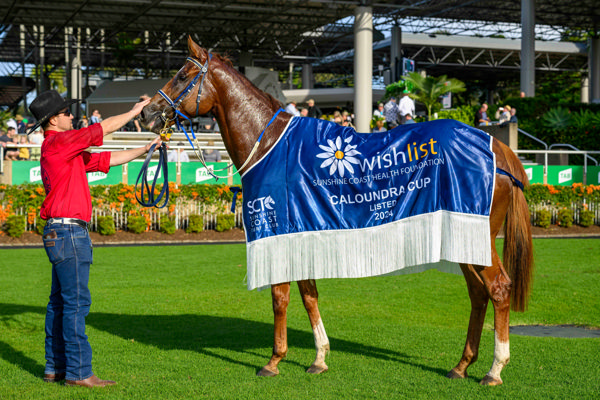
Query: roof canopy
[(137, 33)]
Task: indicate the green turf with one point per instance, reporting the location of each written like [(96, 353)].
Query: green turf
[(178, 323)]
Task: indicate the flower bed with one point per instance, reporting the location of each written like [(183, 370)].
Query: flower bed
[(208, 206), (564, 205), (207, 202)]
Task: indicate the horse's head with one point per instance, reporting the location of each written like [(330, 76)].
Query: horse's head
[(190, 92)]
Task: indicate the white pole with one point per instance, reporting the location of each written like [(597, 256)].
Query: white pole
[(363, 67)]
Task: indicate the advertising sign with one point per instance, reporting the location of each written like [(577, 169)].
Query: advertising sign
[(593, 175), (565, 175), (30, 172), (535, 173), (194, 172), (134, 168)]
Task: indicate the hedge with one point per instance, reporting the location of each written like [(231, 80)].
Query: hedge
[(118, 202)]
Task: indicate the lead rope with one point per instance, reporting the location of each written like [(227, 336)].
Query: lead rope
[(148, 192)]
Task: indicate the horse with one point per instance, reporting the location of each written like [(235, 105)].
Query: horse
[(208, 82)]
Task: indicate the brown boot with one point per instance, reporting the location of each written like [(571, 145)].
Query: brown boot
[(54, 377), (92, 381)]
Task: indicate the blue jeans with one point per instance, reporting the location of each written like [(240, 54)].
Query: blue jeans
[(69, 249)]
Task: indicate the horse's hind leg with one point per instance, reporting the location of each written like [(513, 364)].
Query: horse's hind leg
[(479, 301), (308, 291), (281, 298), (499, 286)]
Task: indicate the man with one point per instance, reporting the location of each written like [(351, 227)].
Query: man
[(183, 156), (313, 111), (291, 109), (11, 152), (513, 116), (67, 209), (406, 106), (481, 117), (211, 154), (408, 119), (379, 111), (390, 111), (304, 112), (96, 117)]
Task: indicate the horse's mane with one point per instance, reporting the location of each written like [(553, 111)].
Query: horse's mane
[(270, 99)]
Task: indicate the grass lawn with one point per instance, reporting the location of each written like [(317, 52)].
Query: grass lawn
[(178, 323)]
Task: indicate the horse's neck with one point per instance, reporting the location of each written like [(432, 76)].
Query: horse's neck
[(243, 112)]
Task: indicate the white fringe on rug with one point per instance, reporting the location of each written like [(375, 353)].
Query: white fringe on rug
[(437, 240)]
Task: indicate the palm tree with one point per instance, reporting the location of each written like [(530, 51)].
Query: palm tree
[(429, 89)]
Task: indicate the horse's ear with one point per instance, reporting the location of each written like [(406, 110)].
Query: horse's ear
[(194, 49)]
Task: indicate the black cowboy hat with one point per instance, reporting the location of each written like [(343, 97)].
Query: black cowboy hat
[(47, 105)]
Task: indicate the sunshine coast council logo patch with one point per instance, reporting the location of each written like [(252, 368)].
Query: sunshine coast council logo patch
[(339, 156)]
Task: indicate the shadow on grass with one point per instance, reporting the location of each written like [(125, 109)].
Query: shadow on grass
[(201, 333)]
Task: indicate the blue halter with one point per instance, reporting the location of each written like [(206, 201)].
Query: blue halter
[(175, 104)]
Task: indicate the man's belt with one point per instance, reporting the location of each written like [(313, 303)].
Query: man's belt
[(68, 221)]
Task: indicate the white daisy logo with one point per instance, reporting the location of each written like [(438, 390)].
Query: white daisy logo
[(338, 159)]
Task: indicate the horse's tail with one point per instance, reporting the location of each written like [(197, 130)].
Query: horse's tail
[(518, 246)]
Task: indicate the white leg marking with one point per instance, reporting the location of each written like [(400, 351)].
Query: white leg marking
[(501, 357), (321, 342)]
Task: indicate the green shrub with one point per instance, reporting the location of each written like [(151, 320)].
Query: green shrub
[(196, 224), (15, 225), (167, 225), (225, 222), (106, 225), (565, 218), (136, 223), (464, 114), (40, 224), (543, 218), (537, 193), (586, 218)]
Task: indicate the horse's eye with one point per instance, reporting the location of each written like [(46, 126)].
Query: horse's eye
[(182, 77)]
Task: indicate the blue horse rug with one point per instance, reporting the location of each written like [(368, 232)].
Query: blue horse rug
[(328, 202)]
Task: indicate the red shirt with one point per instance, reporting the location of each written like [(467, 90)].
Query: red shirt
[(64, 164)]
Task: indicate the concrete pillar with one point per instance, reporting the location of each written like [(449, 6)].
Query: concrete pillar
[(291, 77), (585, 89), (68, 61), (528, 47), (396, 54), (307, 77), (363, 68), (23, 79), (44, 85), (594, 69), (76, 73)]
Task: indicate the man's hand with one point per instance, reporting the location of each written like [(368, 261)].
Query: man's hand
[(137, 108), (157, 140)]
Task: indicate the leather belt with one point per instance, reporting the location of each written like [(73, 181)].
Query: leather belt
[(68, 221)]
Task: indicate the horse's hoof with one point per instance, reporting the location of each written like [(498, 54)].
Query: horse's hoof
[(267, 372), (317, 369), (490, 381), (455, 375)]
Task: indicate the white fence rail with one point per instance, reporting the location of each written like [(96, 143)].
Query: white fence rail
[(575, 207), (181, 214)]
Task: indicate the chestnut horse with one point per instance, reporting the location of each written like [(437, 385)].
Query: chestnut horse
[(243, 111)]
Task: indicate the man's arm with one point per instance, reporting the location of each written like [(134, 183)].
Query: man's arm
[(124, 156), (111, 124)]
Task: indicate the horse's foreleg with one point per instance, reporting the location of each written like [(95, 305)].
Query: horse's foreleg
[(281, 298), (310, 296), (498, 285), (479, 301)]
